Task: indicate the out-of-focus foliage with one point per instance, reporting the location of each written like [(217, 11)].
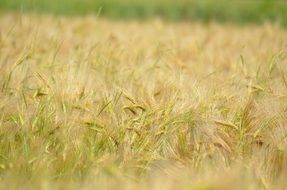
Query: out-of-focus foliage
[(237, 11)]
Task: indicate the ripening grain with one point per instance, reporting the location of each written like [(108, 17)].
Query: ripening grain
[(87, 103)]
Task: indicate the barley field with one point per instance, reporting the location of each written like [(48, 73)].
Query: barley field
[(92, 103)]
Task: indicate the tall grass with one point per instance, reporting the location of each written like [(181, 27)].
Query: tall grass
[(88, 103)]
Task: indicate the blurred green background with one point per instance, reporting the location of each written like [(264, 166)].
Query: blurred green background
[(235, 11)]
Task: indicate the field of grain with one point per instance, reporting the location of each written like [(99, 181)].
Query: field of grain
[(89, 103)]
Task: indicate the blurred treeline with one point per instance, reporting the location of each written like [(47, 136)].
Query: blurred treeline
[(236, 11)]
